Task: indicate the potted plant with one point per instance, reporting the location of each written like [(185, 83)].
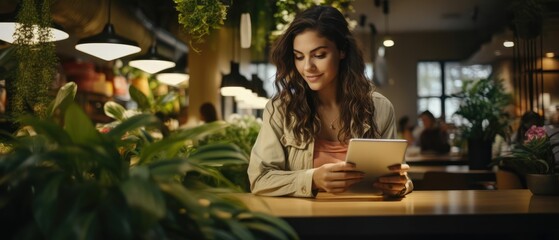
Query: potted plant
[(200, 17), (534, 160), (66, 180), (482, 107)]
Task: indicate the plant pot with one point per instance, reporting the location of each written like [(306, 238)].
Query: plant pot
[(543, 184), (479, 153)]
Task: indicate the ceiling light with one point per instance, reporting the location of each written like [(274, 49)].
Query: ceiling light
[(508, 44), (9, 28), (388, 42), (107, 45), (151, 62), (173, 78), (234, 84), (550, 54), (177, 75)]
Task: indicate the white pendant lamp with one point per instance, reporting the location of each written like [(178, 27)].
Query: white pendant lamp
[(7, 30), (234, 84), (246, 31), (152, 62), (107, 45), (177, 75)]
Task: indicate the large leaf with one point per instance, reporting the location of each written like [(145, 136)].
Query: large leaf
[(169, 146), (140, 98), (167, 169), (114, 110), (64, 97), (79, 126), (143, 196), (217, 154), (132, 123)]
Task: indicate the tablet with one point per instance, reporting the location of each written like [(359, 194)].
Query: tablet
[(373, 156)]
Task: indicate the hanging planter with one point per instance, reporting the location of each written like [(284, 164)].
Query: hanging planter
[(200, 17)]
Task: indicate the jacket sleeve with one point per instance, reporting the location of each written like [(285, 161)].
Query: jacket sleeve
[(268, 169)]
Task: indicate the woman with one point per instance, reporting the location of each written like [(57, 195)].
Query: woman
[(324, 99)]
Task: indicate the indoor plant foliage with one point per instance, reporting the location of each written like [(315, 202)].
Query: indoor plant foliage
[(69, 181), (483, 109), (241, 131), (36, 59), (287, 9), (200, 17), (534, 156), (483, 105)]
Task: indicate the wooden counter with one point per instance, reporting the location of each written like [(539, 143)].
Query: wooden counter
[(426, 213)]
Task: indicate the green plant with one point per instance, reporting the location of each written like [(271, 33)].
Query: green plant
[(535, 155), (69, 181), (287, 9), (483, 106), (200, 17), (148, 103), (36, 60), (240, 131)]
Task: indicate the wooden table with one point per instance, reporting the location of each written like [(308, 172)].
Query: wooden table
[(470, 213)]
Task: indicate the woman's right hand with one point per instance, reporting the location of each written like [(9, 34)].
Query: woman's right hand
[(336, 177)]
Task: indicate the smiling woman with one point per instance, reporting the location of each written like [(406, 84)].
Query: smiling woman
[(321, 82)]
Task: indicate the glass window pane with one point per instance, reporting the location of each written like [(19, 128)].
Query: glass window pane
[(432, 104), (456, 74), (453, 78), (429, 79)]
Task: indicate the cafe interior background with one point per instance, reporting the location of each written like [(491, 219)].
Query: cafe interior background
[(437, 45)]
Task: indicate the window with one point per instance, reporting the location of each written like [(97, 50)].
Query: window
[(437, 81)]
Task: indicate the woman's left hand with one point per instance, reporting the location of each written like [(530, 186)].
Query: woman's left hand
[(395, 183)]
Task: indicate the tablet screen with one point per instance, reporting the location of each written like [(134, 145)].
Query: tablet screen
[(373, 156)]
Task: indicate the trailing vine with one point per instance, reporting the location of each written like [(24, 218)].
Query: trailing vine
[(36, 60), (200, 17)]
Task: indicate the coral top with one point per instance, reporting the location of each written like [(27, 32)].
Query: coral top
[(328, 152)]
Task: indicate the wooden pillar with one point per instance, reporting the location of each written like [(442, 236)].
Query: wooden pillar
[(205, 69)]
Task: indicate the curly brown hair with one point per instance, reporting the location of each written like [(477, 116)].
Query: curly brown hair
[(299, 102)]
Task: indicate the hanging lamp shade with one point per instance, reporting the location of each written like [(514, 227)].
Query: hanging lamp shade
[(234, 84), (152, 62), (246, 31), (107, 45), (7, 30), (177, 75)]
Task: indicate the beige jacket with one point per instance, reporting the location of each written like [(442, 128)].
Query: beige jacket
[(281, 167)]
